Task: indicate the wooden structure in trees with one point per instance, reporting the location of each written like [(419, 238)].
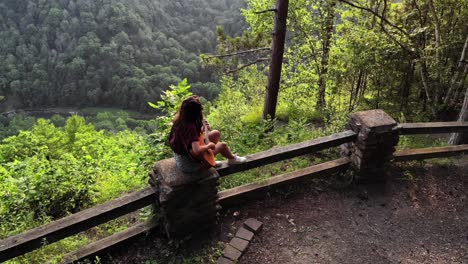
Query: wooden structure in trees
[(369, 130)]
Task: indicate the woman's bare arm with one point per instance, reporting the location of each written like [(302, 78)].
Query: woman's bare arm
[(198, 150)]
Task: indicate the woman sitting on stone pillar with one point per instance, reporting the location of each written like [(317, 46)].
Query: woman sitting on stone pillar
[(184, 138)]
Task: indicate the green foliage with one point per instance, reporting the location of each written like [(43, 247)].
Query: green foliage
[(17, 123), (237, 114), (420, 141), (169, 105), (49, 171), (52, 253), (58, 120), (353, 60), (107, 53)]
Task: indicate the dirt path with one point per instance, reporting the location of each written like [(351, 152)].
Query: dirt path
[(419, 216)]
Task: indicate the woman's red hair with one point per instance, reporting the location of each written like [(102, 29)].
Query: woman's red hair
[(189, 112)]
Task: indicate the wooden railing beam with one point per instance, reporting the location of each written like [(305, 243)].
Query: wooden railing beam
[(240, 193), (430, 153), (432, 128), (287, 152), (28, 241), (109, 243)]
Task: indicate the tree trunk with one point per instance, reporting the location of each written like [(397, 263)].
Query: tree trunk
[(456, 74), (277, 50), (459, 89), (461, 138), (425, 81), (327, 31), (355, 92), (405, 90)]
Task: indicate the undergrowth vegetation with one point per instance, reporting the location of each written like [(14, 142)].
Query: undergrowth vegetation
[(49, 172)]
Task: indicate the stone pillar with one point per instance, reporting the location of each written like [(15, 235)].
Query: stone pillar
[(374, 145), (186, 202)]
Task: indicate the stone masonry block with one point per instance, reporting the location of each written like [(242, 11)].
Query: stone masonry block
[(173, 177), (253, 225), (187, 202), (244, 234), (375, 143), (376, 121), (239, 244), (231, 253), (223, 260)]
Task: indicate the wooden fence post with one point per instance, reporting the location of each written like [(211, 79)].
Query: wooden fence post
[(185, 202), (375, 143)]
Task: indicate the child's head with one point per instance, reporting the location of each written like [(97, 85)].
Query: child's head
[(190, 111)]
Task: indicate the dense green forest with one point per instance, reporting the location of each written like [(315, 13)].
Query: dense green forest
[(107, 53), (406, 57)]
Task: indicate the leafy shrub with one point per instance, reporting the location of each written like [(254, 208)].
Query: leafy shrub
[(58, 120), (17, 123), (49, 172)]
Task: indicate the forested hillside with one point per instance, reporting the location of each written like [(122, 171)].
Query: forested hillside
[(119, 53)]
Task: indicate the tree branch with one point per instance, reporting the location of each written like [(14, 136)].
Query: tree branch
[(238, 53), (265, 11), (246, 65), (377, 15), (382, 26)]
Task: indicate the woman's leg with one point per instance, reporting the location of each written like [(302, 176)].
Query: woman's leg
[(214, 136), (223, 149)]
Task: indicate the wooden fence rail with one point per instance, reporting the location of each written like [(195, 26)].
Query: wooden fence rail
[(244, 192), (430, 153), (28, 241), (290, 151), (109, 243), (432, 128)]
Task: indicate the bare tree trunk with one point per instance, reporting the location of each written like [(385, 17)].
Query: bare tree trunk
[(355, 92), (436, 87), (456, 74), (327, 31), (425, 81), (459, 90), (405, 89), (461, 138), (277, 50), (436, 30), (351, 95)]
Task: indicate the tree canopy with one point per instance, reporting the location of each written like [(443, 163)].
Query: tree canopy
[(107, 52)]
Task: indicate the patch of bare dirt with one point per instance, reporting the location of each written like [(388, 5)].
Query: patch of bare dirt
[(419, 215)]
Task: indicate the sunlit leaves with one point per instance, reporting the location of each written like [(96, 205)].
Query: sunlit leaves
[(50, 171)]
